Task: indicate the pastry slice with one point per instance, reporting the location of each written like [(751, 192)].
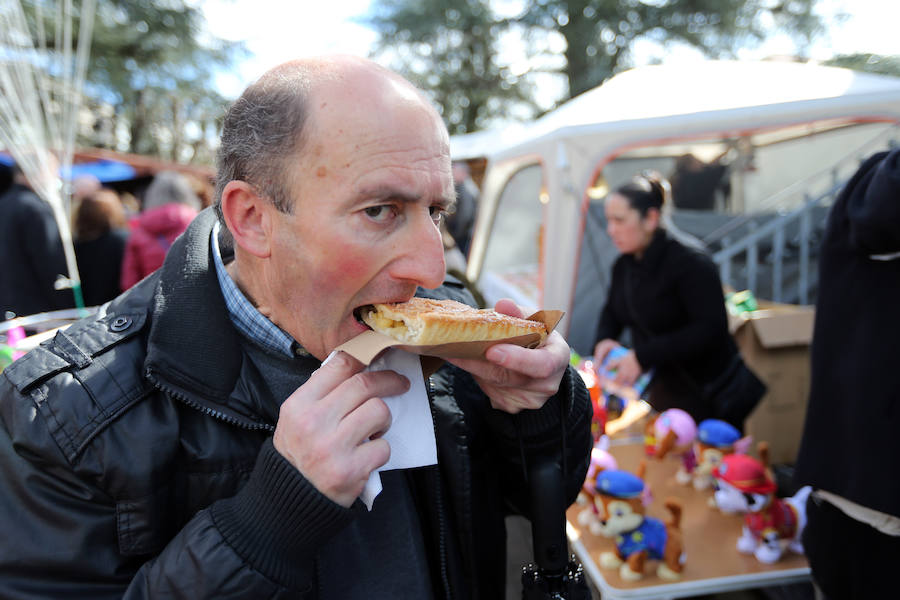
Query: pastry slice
[(422, 321)]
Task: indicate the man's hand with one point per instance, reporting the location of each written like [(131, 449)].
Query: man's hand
[(516, 378), (330, 428)]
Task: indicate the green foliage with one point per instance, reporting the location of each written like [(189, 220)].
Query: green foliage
[(152, 61), (870, 63), (449, 48), (600, 34)]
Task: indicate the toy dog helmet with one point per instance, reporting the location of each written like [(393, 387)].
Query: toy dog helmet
[(619, 484), (745, 473), (678, 421), (717, 433)]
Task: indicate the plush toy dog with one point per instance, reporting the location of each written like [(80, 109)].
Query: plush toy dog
[(601, 460), (715, 439), (620, 515), (673, 431), (771, 524)]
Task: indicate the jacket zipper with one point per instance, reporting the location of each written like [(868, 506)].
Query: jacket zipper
[(249, 425), (439, 502)]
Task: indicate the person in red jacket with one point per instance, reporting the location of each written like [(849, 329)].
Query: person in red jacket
[(169, 206)]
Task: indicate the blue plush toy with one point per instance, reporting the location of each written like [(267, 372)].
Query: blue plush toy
[(619, 510), (715, 439)]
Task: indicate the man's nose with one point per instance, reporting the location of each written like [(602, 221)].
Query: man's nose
[(421, 259)]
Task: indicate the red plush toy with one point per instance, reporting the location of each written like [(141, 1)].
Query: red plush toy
[(771, 524)]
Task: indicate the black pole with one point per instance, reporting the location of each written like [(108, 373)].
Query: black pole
[(548, 508), (557, 575)]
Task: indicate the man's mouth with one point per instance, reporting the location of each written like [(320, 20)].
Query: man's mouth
[(366, 310), (358, 313)]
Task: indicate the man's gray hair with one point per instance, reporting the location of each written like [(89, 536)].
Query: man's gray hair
[(262, 133)]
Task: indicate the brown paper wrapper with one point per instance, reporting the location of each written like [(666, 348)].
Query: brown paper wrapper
[(369, 344)]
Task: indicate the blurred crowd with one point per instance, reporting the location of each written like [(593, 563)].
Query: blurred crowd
[(118, 238)]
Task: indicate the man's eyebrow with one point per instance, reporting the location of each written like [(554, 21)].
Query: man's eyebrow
[(391, 193), (388, 193)]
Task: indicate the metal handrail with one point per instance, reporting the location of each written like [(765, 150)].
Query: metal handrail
[(775, 230), (774, 201)]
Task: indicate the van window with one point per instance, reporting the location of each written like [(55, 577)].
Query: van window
[(513, 250), (515, 235)]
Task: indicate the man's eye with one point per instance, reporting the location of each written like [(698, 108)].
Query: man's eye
[(437, 214), (379, 213)]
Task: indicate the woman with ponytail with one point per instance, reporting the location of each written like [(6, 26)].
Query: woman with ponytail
[(670, 297)]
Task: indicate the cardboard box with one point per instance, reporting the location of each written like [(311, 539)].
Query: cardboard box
[(774, 342)]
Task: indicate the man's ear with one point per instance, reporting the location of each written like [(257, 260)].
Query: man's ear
[(247, 216)]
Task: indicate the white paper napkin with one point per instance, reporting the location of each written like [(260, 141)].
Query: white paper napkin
[(411, 434)]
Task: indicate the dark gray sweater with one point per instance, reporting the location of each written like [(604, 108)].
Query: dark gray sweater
[(380, 554)]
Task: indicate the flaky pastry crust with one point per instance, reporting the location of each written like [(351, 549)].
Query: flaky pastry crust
[(426, 322)]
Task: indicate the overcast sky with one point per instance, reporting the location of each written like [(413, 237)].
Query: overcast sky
[(277, 30)]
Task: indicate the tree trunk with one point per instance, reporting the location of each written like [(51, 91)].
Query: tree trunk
[(138, 123), (580, 34), (177, 130)]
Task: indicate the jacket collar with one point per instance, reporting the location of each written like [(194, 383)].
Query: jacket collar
[(193, 348)]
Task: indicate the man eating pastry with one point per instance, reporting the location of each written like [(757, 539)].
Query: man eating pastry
[(188, 440)]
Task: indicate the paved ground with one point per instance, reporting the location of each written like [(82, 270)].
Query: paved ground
[(519, 552)]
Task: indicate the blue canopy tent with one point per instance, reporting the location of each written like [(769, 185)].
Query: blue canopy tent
[(106, 171)]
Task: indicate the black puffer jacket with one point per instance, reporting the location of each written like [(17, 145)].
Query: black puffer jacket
[(33, 255), (849, 446), (136, 460)]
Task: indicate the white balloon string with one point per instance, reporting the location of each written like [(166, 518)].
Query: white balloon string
[(40, 101)]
